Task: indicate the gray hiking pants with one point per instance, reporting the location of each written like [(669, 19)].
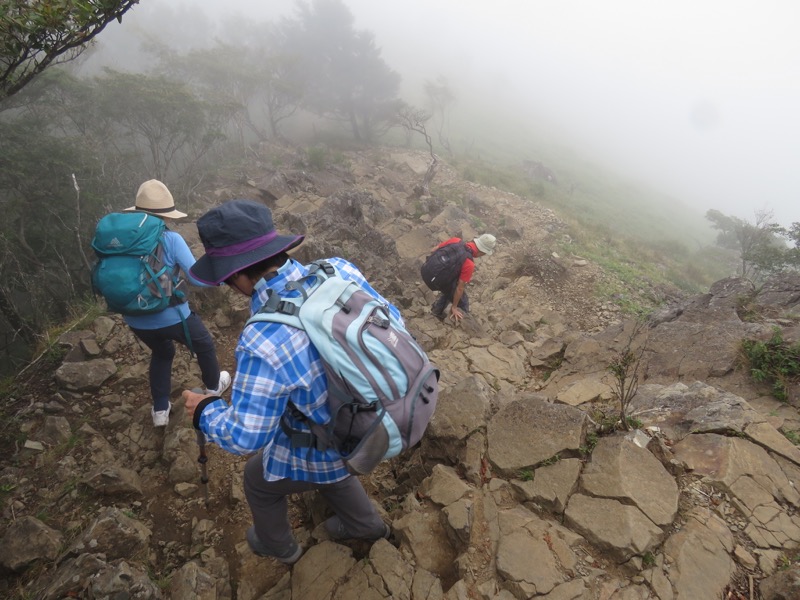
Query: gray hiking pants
[(267, 500)]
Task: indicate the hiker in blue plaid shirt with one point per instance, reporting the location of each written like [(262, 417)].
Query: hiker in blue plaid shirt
[(275, 364)]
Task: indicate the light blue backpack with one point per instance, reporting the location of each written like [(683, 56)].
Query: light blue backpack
[(382, 389)]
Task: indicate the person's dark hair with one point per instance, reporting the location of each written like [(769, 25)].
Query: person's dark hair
[(255, 271)]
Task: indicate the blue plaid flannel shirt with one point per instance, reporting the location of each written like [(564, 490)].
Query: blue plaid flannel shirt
[(276, 363)]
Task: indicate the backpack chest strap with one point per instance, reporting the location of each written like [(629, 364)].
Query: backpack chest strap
[(276, 304)]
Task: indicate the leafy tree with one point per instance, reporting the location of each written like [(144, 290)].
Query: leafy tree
[(221, 75), (283, 89), (243, 78), (346, 78), (759, 245), (162, 120), (280, 71), (794, 236), (34, 35), (69, 151), (46, 221)]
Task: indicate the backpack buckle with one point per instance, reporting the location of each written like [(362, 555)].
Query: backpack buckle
[(297, 437), (275, 304), (328, 268), (379, 321), (358, 407), (287, 308)]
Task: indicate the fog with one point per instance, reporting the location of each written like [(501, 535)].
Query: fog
[(696, 99)]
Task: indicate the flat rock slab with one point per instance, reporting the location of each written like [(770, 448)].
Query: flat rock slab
[(529, 431)]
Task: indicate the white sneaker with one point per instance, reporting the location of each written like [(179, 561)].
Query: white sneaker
[(161, 417), (224, 384)]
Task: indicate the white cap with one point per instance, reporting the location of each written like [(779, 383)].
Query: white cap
[(486, 243)]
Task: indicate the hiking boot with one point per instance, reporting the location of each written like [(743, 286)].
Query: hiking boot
[(337, 531), (161, 417), (288, 556), (224, 384), (438, 315)]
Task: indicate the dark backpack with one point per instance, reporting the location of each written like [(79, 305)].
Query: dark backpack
[(130, 272), (441, 270), (382, 389)]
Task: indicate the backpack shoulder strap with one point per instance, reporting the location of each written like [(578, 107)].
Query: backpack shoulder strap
[(285, 309), (279, 310)]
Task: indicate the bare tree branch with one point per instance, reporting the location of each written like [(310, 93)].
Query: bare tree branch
[(414, 120)]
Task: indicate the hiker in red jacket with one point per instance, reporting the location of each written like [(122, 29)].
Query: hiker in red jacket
[(455, 293)]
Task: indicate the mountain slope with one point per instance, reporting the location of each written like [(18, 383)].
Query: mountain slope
[(518, 489)]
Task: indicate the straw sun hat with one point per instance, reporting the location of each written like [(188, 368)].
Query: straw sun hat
[(154, 198)]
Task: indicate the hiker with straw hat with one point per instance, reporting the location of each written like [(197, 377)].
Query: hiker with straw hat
[(276, 366), (177, 323)]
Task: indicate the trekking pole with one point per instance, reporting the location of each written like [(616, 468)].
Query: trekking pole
[(202, 459)]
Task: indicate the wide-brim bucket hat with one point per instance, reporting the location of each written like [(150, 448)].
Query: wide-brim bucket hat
[(236, 235), (486, 243), (154, 198)]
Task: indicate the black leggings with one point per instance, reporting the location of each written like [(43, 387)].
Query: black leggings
[(162, 344)]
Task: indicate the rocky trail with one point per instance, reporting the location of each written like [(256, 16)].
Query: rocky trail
[(521, 487)]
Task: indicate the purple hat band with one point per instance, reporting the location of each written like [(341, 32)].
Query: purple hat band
[(243, 247), (237, 234)]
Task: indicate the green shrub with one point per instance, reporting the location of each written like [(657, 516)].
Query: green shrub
[(793, 436), (550, 461), (773, 362), (591, 443), (316, 158)]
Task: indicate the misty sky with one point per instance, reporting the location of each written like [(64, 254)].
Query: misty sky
[(698, 98)]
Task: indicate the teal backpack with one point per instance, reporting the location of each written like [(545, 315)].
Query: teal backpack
[(382, 389), (130, 272)]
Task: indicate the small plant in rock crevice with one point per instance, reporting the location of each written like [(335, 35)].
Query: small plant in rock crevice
[(785, 561), (160, 580), (526, 475), (605, 423), (792, 436), (746, 309), (591, 443), (550, 461), (774, 362), (625, 369), (6, 491), (633, 423)]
